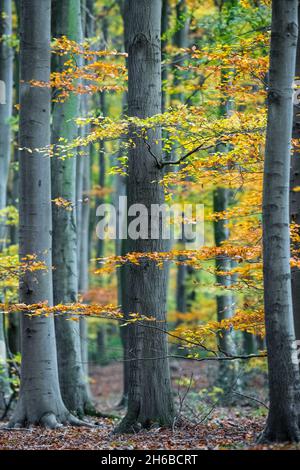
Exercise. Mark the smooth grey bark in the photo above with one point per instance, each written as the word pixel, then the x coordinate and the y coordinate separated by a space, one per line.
pixel 181 303
pixel 227 371
pixel 181 41
pixel 39 400
pixel 13 333
pixel 5 390
pixel 295 195
pixel 102 345
pixel 149 393
pixel 121 250
pixel 249 345
pixel 165 16
pixel 14 191
pixel 82 102
pixel 184 273
pixel 67 21
pixel 227 375
pixel 282 422
pixel 260 343
pixel 124 329
pixel 13 323
pixel 102 171
pixel 83 195
pixel 6 76
pixel 103 102
pixel 249 340
pixel 185 295
pixel 84 265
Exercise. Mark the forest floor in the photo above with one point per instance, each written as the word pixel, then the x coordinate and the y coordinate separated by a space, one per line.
pixel 204 423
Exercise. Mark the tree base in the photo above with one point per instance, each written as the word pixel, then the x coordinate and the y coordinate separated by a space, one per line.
pixel 47 420
pixel 289 434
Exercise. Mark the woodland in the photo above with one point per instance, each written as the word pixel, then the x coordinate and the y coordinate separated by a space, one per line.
pixel 149 225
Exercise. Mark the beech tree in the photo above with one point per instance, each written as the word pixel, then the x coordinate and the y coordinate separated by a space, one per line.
pixel 40 399
pixel 294 195
pixel 159 124
pixel 6 81
pixel 227 376
pixel 6 77
pixel 181 41
pixel 67 21
pixel 282 423
pixel 149 389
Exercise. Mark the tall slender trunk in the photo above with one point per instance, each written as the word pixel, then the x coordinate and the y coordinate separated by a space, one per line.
pixel 83 267
pixel 6 76
pixel 121 250
pixel 14 193
pixel 101 162
pixel 149 393
pixel 227 371
pixel 295 195
pixel 5 390
pixel 165 14
pixel 282 422
pixel 13 323
pixel 67 21
pixel 227 374
pixel 40 399
pixel 181 41
pixel 101 166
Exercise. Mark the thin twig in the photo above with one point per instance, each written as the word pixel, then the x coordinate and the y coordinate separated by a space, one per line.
pixel 250 398
pixel 189 358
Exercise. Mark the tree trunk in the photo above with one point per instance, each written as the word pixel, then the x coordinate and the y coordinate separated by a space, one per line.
pixel 181 41
pixel 5 390
pixel 14 193
pixel 165 14
pixel 67 21
pixel 102 345
pixel 40 399
pixel 227 376
pixel 121 250
pixel 101 162
pixel 101 166
pixel 6 76
pixel 13 323
pixel 282 423
pixel 227 369
pixel 84 268
pixel 295 195
pixel 149 394
pixel 249 343
pixel 83 230
pixel 13 333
